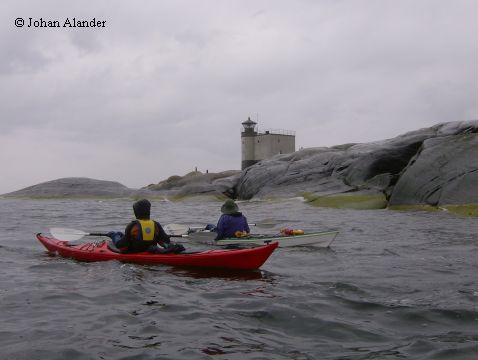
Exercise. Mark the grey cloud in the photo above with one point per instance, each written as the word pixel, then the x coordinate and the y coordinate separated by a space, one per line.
pixel 174 79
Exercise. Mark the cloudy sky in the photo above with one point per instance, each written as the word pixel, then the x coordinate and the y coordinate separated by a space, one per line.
pixel 165 85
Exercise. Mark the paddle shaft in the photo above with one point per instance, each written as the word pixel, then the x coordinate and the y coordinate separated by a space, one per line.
pixel 105 234
pixel 97 234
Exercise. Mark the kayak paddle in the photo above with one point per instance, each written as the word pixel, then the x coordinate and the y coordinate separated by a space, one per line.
pixel 266 223
pixel 182 230
pixel 74 234
pixel 71 234
pixel 176 229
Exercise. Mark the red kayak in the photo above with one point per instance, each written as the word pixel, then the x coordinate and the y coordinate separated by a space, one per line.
pixel 241 259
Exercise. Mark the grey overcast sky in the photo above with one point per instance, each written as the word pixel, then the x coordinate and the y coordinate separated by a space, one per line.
pixel 165 85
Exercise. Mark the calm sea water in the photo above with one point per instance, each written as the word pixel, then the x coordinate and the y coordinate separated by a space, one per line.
pixel 394 285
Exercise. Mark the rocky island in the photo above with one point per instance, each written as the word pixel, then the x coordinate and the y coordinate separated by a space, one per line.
pixel 431 167
pixel 73 187
pixel 435 167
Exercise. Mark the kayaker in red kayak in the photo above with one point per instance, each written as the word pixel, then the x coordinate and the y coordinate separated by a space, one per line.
pixel 144 234
pixel 231 222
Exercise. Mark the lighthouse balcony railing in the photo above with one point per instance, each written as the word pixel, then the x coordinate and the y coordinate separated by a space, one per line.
pixel 276 132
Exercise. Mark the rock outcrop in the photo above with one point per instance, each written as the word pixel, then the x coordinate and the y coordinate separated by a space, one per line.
pixel 444 172
pixel 73 187
pixel 436 166
pixel 196 183
pixel 431 166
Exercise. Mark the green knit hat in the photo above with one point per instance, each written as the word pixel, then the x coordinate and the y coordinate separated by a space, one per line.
pixel 229 207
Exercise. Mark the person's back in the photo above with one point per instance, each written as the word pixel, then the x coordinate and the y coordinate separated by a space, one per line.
pixel 231 221
pixel 142 234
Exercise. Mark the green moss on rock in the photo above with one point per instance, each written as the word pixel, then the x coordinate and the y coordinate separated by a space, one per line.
pixel 464 210
pixel 345 201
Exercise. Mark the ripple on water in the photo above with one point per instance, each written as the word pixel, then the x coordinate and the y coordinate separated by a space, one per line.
pixel 394 285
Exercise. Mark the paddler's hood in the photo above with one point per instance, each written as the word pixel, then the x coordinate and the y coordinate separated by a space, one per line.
pixel 142 209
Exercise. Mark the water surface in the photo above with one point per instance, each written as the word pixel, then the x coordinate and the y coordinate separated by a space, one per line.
pixel 394 285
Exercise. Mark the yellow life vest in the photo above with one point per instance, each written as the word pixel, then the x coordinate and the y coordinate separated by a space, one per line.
pixel 147 229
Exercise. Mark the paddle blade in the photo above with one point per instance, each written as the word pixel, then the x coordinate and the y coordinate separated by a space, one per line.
pixel 67 234
pixel 176 229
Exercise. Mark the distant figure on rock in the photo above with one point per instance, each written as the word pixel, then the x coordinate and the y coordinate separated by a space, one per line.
pixel 231 223
pixel 144 234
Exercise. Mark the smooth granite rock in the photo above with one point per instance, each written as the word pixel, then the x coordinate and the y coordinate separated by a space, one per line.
pixel 444 172
pixel 197 183
pixel 434 166
pixel 375 168
pixel 73 187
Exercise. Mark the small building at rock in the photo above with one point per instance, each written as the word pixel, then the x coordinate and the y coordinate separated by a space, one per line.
pixel 258 145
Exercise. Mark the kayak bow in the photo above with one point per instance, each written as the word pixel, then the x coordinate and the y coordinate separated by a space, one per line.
pixel 240 259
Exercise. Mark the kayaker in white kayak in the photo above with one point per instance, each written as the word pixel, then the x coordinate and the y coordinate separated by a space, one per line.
pixel 232 222
pixel 144 234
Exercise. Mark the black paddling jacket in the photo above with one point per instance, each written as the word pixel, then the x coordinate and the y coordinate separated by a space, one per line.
pixel 141 234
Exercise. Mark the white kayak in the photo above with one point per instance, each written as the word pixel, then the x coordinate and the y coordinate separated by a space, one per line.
pixel 321 239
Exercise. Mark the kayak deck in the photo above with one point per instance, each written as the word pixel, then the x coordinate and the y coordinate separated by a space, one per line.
pixel 321 239
pixel 240 259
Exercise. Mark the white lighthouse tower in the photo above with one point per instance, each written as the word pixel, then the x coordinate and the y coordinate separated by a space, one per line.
pixel 257 146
